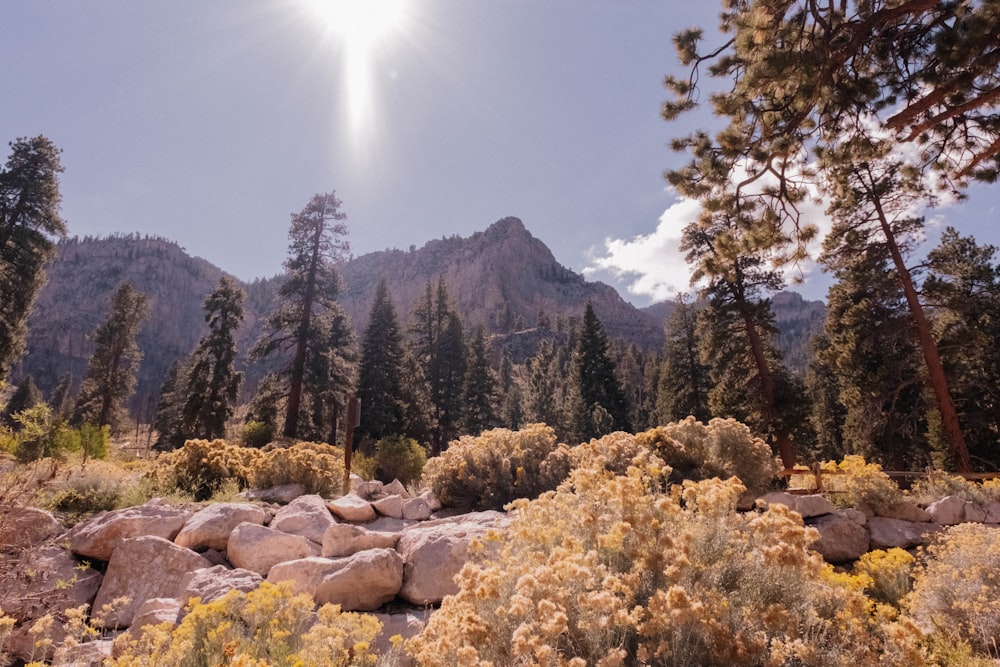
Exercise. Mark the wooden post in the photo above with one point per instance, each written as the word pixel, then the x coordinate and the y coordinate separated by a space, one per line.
pixel 353 420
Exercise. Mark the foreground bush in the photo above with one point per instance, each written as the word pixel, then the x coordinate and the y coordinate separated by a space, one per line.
pixel 269 627
pixel 490 470
pixel 614 570
pixel 957 590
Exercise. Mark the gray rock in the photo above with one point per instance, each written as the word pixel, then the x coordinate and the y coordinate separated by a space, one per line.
pixel 307 516
pixel 283 493
pixel 391 506
pixel 362 582
pixel 100 535
pixel 211 583
pixel 807 506
pixel 948 511
pixel 210 527
pixel 259 548
pixel 25 527
pixel 352 508
pixel 407 625
pixel 396 488
pixel 884 533
pixel 905 510
pixel 416 509
pixel 345 539
pixel 840 539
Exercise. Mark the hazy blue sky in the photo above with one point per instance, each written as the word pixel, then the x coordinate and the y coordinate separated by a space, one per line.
pixel 210 122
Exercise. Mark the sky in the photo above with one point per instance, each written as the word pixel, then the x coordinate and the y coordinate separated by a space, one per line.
pixel 209 123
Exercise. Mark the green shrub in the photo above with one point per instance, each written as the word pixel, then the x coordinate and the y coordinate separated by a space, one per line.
pixel 492 469
pixel 399 458
pixel 318 466
pixel 256 434
pixel 861 484
pixel 95 487
pixel 200 466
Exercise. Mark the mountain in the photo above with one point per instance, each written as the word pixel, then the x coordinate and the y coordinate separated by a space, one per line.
pixel 502 277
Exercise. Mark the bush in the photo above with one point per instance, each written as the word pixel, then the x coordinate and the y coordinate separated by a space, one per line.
pixel 614 570
pixel 256 434
pixel 861 485
pixel 397 457
pixel 318 466
pixel 200 467
pixel 957 589
pixel 722 448
pixel 939 484
pixel 888 574
pixel 490 470
pixel 270 626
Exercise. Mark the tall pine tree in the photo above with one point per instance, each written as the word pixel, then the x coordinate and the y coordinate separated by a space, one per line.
pixel 380 376
pixel 598 405
pixel 684 378
pixel 478 411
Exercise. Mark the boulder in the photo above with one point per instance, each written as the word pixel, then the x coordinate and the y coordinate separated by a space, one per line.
pixel 416 509
pixel 283 493
pixel 362 582
pixel 88 654
pixel 345 539
pixel 974 513
pixel 947 511
pixel 884 533
pixel 352 508
pixel 395 488
pixel 142 568
pixel 807 506
pixel 432 500
pixel 391 506
pixel 211 583
pixel 840 538
pixel 407 625
pixel 388 524
pixel 155 611
pixel 98 536
pixel 210 528
pixel 307 516
pixel 857 516
pixel 369 490
pixel 25 527
pixel 992 511
pixel 259 548
pixel 905 510
pixel 435 551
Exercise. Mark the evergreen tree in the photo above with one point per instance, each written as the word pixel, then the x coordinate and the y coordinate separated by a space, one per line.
pixel 168 421
pixel 542 386
pixel 29 219
pixel 266 405
pixel 478 412
pixel 213 383
pixel 62 399
pixel 511 414
pixel 110 378
pixel 828 412
pixel 380 376
pixel 598 404
pixel 307 295
pixel 684 379
pixel 26 395
pixel 329 380
pixel 418 411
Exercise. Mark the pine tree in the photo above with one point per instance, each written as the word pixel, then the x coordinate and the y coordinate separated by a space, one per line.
pixel 478 411
pixel 307 295
pixel 684 379
pixel 542 386
pixel 29 219
pixel 598 405
pixel 512 397
pixel 62 400
pixel 329 379
pixel 111 373
pixel 380 376
pixel 418 410
pixel 26 395
pixel 213 383
pixel 168 421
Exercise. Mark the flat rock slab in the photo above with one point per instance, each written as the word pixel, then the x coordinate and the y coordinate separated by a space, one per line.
pixel 888 533
pixel 362 582
pixel 840 538
pixel 807 506
pixel 99 536
pixel 307 516
pixel 283 493
pixel 346 539
pixel 210 527
pixel 259 548
pixel 142 568
pixel 210 584
pixel 352 508
pixel 24 527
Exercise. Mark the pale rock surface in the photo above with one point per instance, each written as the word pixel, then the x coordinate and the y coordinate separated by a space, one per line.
pixel 345 539
pixel 356 480
pixel 307 516
pixel 407 625
pixel 155 611
pixel 973 513
pixel 211 583
pixel 210 528
pixel 100 535
pixel 388 524
pixel 992 511
pixel 142 568
pixel 417 509
pixel 391 506
pixel 395 488
pixel 857 516
pixel 885 533
pixel 283 493
pixel 431 499
pixel 807 506
pixel 369 490
pixel 259 548
pixel 905 510
pixel 24 527
pixel 840 538
pixel 947 511
pixel 352 508
pixel 435 551
pixel 362 582
pixel 87 654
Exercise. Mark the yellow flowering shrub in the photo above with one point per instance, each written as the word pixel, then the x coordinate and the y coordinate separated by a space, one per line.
pixel 939 484
pixel 492 469
pixel 957 589
pixel 268 627
pixel 318 466
pixel 860 484
pixel 721 448
pixel 200 466
pixel 889 574
pixel 622 569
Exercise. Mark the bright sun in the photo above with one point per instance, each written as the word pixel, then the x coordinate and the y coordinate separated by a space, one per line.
pixel 361 26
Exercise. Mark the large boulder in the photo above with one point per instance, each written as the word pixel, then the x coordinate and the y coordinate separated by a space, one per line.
pixel 807 506
pixel 407 625
pixel 435 551
pixel 155 611
pixel 391 506
pixel 283 493
pixel 142 568
pixel 346 539
pixel 259 548
pixel 44 580
pixel 952 510
pixel 904 510
pixel 211 583
pixel 98 536
pixel 352 508
pixel 395 488
pixel 25 527
pixel 362 582
pixel 307 516
pixel 840 538
pixel 885 533
pixel 210 528
pixel 416 509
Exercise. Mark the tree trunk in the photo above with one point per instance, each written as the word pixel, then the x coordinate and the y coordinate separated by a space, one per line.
pixel 298 368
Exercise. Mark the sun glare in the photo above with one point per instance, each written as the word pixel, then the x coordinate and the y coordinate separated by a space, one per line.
pixel 360 27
